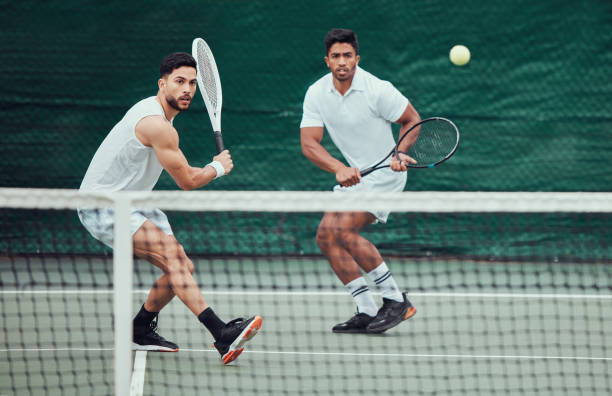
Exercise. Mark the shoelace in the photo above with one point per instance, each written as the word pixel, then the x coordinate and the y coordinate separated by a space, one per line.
pixel 387 303
pixel 355 318
pixel 235 321
pixel 153 328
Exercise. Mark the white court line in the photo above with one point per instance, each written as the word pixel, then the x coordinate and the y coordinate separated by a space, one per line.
pixel 414 355
pixel 352 354
pixel 138 374
pixel 333 293
pixel 55 349
pixel 417 294
pixel 58 291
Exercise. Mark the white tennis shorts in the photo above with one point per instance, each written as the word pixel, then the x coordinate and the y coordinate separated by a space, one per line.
pixel 381 180
pixel 100 222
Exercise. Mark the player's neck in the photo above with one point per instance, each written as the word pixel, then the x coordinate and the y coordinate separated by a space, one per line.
pixel 343 86
pixel 169 111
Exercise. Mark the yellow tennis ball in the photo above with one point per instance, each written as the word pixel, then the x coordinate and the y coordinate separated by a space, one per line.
pixel 459 55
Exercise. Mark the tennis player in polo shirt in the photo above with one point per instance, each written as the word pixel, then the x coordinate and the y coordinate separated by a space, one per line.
pixel 357 110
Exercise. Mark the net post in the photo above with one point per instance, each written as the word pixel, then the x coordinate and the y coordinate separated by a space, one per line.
pixel 122 281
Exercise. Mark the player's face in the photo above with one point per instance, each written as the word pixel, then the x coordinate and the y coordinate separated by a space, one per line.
pixel 342 61
pixel 179 87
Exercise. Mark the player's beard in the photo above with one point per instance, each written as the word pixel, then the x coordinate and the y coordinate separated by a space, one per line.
pixel 348 76
pixel 173 102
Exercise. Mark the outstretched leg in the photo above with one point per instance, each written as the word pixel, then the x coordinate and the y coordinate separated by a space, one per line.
pixel 164 251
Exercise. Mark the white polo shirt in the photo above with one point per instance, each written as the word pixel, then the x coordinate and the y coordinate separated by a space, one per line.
pixel 359 123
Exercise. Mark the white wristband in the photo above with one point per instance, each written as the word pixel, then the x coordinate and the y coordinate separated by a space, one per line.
pixel 218 168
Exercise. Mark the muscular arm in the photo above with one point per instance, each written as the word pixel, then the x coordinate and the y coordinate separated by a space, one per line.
pixel 310 139
pixel 156 132
pixel 408 118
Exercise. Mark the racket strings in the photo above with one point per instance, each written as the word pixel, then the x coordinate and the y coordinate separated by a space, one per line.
pixel 206 74
pixel 437 140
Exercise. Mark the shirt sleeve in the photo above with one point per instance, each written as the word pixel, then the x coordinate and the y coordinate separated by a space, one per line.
pixel 311 116
pixel 390 103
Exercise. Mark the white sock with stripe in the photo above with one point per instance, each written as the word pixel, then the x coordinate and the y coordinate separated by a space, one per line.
pixel 381 276
pixel 362 296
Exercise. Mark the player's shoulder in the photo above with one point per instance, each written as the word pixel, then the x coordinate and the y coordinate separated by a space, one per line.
pixel 155 122
pixel 149 114
pixel 151 104
pixel 321 85
pixel 155 128
pixel 371 81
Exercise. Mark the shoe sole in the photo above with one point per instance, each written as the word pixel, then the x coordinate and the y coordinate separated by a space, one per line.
pixel 236 347
pixel 356 331
pixel 410 312
pixel 152 348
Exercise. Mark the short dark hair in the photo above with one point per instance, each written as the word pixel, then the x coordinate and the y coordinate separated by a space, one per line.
pixel 341 36
pixel 175 60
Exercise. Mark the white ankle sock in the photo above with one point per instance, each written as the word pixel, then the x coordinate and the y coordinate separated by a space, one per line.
pixel 362 296
pixel 381 276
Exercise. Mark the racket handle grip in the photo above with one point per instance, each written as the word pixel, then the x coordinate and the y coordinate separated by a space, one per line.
pixel 219 141
pixel 367 171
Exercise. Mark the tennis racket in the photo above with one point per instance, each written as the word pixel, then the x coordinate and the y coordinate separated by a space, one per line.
pixel 436 141
pixel 210 86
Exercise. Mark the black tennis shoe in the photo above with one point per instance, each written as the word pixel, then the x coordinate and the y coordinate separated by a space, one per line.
pixel 356 324
pixel 147 339
pixel 391 314
pixel 234 335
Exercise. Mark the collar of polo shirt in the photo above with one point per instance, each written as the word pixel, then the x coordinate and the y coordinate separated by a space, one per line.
pixel 358 83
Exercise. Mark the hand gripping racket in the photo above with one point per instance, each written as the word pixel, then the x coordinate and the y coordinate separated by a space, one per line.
pixel 210 86
pixel 436 141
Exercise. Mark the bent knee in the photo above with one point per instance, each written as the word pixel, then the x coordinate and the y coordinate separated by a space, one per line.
pixel 326 235
pixel 170 256
pixel 336 235
pixel 185 261
pixel 175 253
pixel 177 267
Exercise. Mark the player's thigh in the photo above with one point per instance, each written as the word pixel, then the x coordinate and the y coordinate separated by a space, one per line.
pixel 154 245
pixel 353 221
pixel 339 222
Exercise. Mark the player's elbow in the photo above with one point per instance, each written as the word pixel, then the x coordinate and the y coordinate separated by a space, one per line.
pixel 310 140
pixel 187 184
pixel 185 187
pixel 308 147
pixel 415 118
pixel 189 178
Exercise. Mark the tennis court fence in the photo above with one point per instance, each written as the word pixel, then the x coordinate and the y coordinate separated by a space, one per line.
pixel 513 293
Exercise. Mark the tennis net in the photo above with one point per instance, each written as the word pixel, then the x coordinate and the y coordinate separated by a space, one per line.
pixel 513 293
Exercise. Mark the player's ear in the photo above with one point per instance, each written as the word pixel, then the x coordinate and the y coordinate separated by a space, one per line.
pixel 326 59
pixel 161 83
pixel 357 60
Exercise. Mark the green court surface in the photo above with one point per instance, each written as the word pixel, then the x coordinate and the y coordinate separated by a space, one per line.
pixel 481 328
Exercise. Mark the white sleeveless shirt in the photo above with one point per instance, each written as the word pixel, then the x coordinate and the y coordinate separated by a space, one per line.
pixel 122 162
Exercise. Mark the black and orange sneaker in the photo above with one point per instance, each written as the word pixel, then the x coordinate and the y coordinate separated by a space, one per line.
pixel 234 335
pixel 391 314
pixel 356 324
pixel 147 339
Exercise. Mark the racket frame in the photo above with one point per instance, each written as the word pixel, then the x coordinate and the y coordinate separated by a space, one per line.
pixel 214 112
pixel 418 166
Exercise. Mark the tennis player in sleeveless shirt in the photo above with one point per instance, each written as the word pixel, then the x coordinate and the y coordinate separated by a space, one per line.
pixel 357 110
pixel 131 158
